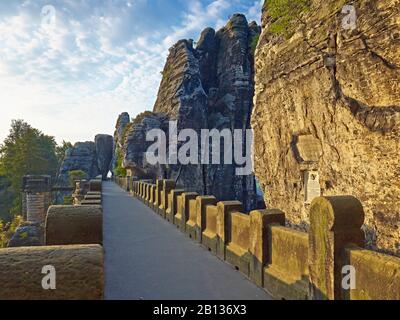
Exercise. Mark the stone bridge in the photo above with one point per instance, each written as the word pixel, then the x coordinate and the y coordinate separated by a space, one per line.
pixel 131 239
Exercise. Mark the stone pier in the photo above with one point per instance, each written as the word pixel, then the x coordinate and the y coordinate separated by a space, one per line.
pixel 36 197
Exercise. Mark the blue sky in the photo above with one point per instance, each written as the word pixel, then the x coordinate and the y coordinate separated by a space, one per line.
pixel 69 67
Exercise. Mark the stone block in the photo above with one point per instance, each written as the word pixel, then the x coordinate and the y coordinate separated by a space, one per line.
pixel 173 204
pixel 167 186
pixel 183 207
pixel 95 185
pixel 210 234
pixel 335 222
pixel 237 249
pixel 79 273
pixel 67 225
pixel 286 274
pixel 223 224
pixel 259 245
pixel 201 206
pixel 377 275
pixel 191 223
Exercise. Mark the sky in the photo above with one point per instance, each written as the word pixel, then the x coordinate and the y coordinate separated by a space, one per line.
pixel 70 67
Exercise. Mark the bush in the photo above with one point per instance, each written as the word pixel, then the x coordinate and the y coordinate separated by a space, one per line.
pixel 68 201
pixel 76 175
pixel 119 170
pixel 7 230
pixel 286 14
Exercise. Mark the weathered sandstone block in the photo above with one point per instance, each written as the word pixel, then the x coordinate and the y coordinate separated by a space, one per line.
pixel 237 250
pixel 66 225
pixel 286 274
pixel 95 185
pixel 191 223
pixel 210 234
pixel 201 207
pixel 79 273
pixel 260 237
pixel 173 204
pixel 377 275
pixel 335 222
pixel 224 224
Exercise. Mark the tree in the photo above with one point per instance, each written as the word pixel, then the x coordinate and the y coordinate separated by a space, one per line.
pixel 25 151
pixel 119 170
pixel 76 175
pixel 60 151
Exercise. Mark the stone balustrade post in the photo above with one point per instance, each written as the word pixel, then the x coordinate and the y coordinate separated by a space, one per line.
pixel 168 186
pixel 335 223
pixel 225 208
pixel 260 220
pixel 201 206
pixel 186 197
pixel 173 206
pixel 159 187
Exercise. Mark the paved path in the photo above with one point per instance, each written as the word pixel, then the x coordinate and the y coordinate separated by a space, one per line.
pixel 148 258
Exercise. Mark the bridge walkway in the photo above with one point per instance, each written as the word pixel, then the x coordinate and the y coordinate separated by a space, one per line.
pixel 148 258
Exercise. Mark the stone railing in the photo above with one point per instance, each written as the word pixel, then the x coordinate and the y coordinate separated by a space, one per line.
pixel 289 264
pixel 72 254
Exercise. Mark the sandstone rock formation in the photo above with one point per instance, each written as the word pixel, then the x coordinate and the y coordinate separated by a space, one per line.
pixel 94 158
pixel 207 87
pixel 327 114
pixel 123 120
pixel 136 145
pixel 104 151
pixel 81 157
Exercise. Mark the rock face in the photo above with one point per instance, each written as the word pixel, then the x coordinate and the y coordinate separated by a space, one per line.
pixel 93 158
pixel 135 146
pixel 327 114
pixel 123 120
pixel 207 87
pixel 83 157
pixel 104 151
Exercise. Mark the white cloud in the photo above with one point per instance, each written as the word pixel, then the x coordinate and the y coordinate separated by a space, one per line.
pixel 100 59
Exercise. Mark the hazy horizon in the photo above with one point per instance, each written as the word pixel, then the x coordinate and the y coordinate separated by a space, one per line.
pixel 71 77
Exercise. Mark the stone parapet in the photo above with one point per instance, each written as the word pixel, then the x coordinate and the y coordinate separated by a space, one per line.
pixel 67 225
pixel 78 270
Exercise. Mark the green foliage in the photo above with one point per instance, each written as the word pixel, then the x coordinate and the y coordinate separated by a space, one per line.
pixel 76 175
pixel 126 131
pixel 25 151
pixel 119 170
pixel 60 151
pixel 68 200
pixel 141 117
pixel 6 199
pixel 254 43
pixel 286 14
pixel 8 230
